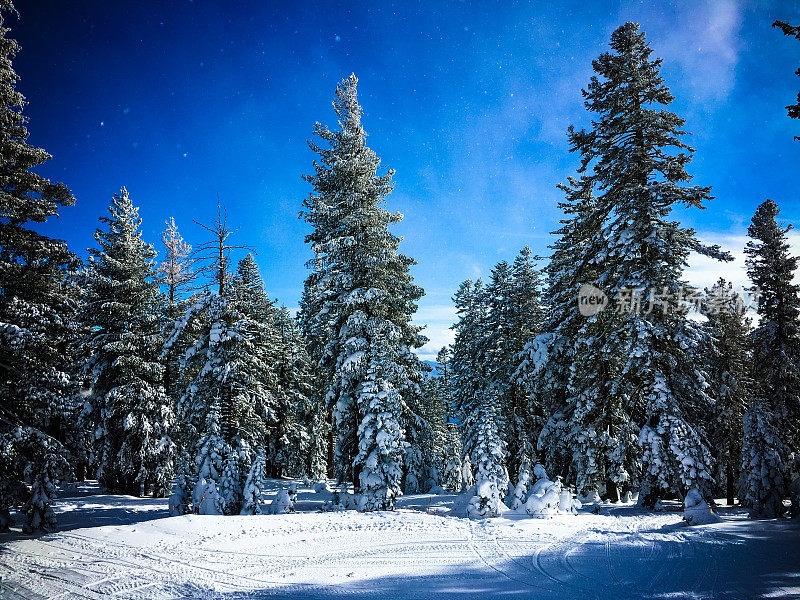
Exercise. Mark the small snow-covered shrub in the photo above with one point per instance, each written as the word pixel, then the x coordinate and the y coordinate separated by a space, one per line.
pixel 437 489
pixel 254 487
pixel 322 487
pixel 547 498
pixel 282 504
pixel 696 510
pixel 209 502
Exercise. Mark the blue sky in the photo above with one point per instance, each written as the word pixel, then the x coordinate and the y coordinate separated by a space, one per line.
pixel 468 101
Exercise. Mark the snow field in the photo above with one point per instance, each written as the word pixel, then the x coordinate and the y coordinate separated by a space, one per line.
pixel 621 553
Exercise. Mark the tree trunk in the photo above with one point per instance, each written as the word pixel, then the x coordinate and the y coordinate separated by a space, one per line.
pixel 612 491
pixel 730 487
pixel 330 462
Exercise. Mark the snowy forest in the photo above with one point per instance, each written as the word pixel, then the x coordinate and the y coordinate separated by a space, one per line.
pixel 165 368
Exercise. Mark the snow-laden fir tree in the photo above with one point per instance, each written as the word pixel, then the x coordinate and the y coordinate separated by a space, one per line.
pixel 776 340
pixel 260 362
pixel 362 301
pixel 223 368
pixel 234 477
pixel 513 317
pixel 729 380
pixel 487 455
pixel 304 429
pixel 37 315
pixel 547 365
pixel 635 158
pixel 763 485
pixel 771 423
pixel 450 439
pixel 316 331
pixel 254 486
pixel 127 408
pixel 212 454
pixel 230 364
pixel 180 502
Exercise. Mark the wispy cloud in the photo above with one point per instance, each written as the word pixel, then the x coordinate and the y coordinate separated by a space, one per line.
pixel 701 38
pixel 438 319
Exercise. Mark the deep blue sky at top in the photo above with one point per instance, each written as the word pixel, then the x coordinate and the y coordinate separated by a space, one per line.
pixel 469 101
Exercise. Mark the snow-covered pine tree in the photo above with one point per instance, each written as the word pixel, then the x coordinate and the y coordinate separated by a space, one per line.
pixel 304 425
pixel 771 423
pixel 259 330
pixel 231 491
pixel 451 447
pixel 762 485
pixel 635 156
pixel 793 110
pixel 180 503
pixel 487 452
pixel 469 369
pixel 210 460
pixel 254 486
pixel 729 380
pixel 363 300
pixel 130 413
pixel 224 368
pixel 546 368
pixel 37 313
pixel 514 316
pixel 316 332
pixel 776 340
pixel 435 448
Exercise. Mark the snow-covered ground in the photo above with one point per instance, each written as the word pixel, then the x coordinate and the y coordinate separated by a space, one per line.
pixel 122 547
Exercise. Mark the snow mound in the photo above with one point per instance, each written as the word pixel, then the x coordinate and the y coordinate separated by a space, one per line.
pixel 546 498
pixel 696 511
pixel 282 504
pixel 437 489
pixel 322 486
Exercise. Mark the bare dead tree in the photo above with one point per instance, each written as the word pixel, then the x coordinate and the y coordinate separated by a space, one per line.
pixel 213 256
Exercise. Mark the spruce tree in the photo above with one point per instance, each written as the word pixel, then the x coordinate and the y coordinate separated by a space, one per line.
pixel 362 300
pixel 776 340
pixel 488 455
pixel 303 452
pixel 37 314
pixel 771 423
pixel 130 413
pixel 635 157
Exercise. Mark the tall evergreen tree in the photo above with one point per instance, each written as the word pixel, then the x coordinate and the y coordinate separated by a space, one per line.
pixel 127 407
pixel 363 301
pixel 636 364
pixel 771 423
pixel 776 340
pixel 37 314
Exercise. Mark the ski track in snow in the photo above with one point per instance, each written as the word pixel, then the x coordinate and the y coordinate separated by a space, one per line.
pixel 624 553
